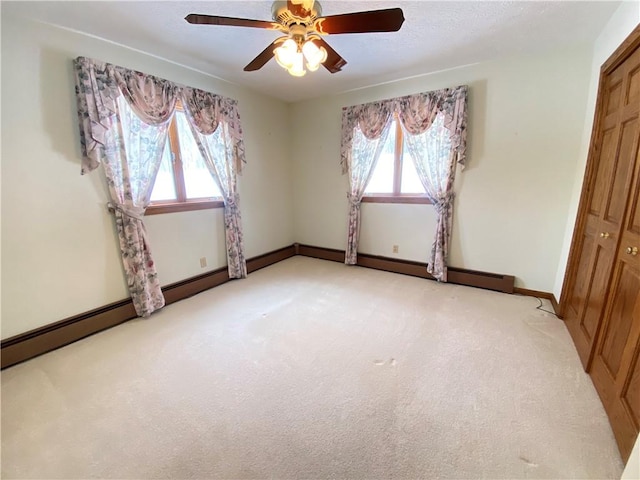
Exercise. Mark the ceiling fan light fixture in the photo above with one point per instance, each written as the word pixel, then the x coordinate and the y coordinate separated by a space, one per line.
pixel 313 55
pixel 303 25
pixel 286 53
pixel 312 67
pixel 297 68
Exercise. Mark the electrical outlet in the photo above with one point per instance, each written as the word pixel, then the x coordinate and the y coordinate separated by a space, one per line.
pixel 395 249
pixel 203 262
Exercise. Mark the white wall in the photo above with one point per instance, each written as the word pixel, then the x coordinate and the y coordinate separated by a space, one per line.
pixel 619 26
pixel 632 468
pixel 525 127
pixel 59 249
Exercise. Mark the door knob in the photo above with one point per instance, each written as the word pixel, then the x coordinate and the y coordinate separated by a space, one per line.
pixel 604 235
pixel 632 250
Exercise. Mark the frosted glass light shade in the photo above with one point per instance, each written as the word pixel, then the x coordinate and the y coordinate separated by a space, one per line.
pixel 285 54
pixel 297 68
pixel 294 59
pixel 313 55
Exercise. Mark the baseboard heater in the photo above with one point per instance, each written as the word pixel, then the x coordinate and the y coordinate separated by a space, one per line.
pixel 459 276
pixel 55 335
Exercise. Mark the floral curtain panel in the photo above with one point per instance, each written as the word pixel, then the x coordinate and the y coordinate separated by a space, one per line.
pixel 133 160
pixel 435 127
pixel 216 128
pixel 127 138
pixel 435 165
pixel 129 145
pixel 365 129
pixel 435 149
pixel 366 153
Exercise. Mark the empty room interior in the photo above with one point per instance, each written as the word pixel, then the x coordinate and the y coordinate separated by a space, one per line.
pixel 401 241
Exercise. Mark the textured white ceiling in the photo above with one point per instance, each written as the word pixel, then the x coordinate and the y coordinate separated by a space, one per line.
pixel 435 36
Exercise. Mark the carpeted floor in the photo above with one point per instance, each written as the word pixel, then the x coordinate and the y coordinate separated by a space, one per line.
pixel 312 369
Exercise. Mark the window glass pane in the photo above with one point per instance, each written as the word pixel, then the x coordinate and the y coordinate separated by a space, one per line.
pixel 382 178
pixel 410 182
pixel 198 181
pixel 165 187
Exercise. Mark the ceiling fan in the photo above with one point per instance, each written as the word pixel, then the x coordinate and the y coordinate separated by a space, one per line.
pixel 304 26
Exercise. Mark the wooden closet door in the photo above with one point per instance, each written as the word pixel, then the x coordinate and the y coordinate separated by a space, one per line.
pixel 603 203
pixel 601 293
pixel 616 364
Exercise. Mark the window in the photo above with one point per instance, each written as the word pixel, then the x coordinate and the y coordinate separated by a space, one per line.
pixel 184 181
pixel 394 179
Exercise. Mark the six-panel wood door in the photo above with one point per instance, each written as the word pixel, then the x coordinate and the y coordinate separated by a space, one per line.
pixel 616 364
pixel 601 294
pixel 612 168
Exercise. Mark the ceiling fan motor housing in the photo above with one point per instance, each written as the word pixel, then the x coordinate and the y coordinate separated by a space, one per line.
pixel 281 14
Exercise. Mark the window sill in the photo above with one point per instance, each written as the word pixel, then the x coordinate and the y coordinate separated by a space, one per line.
pixel 173 207
pixel 390 198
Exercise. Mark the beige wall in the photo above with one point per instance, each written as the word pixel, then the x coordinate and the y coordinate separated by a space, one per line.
pixel 632 468
pixel 59 250
pixel 619 26
pixel 525 127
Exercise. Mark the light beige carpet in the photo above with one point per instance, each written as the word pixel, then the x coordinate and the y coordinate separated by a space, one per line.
pixel 312 369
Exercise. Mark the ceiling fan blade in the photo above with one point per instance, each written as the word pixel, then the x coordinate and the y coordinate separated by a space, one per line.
pixel 263 57
pixel 388 20
pixel 300 8
pixel 334 61
pixel 198 19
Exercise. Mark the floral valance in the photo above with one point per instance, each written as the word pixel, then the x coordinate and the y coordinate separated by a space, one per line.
pixel 416 112
pixel 153 99
pixel 206 111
